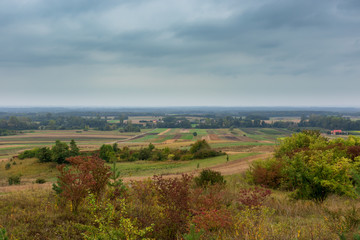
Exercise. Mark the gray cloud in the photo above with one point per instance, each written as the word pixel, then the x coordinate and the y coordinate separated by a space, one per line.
pixel 243 52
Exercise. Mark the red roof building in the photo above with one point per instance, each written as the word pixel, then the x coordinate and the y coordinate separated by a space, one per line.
pixel 335 132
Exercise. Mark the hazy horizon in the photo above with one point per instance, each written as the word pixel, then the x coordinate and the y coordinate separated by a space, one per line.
pixel 160 53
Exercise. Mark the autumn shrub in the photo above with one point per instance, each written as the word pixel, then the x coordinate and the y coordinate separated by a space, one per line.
pixel 209 177
pixel 174 198
pixel 211 220
pixel 86 174
pixel 212 197
pixel 266 173
pixel 252 197
pixel 144 204
pixel 210 210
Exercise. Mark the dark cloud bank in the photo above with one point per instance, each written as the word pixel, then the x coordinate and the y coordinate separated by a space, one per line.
pixel 176 53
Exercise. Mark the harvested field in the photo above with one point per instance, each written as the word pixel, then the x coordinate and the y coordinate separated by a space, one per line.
pixel 214 137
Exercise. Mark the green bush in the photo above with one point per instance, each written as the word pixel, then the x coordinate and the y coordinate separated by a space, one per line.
pixel 3 235
pixel 209 177
pixel 312 166
pixel 14 180
pixel 7 166
pixel 40 181
pixel 28 154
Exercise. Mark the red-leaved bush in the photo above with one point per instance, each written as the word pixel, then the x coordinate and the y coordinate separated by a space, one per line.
pixel 253 197
pixel 209 208
pixel 174 197
pixel 268 175
pixel 86 174
pixel 213 219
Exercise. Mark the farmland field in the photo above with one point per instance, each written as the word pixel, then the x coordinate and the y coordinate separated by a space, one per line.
pixel 238 143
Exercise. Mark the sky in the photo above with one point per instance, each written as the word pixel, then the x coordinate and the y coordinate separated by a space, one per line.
pixel 120 53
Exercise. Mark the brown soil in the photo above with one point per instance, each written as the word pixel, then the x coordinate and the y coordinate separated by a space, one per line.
pixel 184 131
pixel 214 137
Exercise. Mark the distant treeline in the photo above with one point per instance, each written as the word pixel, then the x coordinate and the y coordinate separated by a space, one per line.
pixel 91 120
pixel 330 122
pixel 5 132
pixel 53 123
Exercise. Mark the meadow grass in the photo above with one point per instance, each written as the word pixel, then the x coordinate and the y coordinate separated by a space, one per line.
pixel 187 136
pixel 29 169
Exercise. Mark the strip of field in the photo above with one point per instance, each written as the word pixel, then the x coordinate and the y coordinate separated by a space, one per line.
pixel 234 166
pixel 149 168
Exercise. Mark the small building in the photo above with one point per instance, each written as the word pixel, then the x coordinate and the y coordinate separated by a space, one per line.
pixel 336 132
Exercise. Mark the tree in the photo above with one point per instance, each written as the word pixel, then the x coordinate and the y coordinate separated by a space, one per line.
pixel 74 150
pixel 44 154
pixel 115 147
pixel 199 145
pixel 86 174
pixel 60 152
pixel 195 134
pixel 107 153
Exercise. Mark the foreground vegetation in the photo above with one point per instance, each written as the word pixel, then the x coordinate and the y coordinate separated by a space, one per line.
pixel 313 181
pixel 161 208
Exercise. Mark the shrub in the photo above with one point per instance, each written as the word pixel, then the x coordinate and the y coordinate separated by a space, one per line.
pixel 44 154
pixel 14 180
pixel 3 235
pixel 174 198
pixel 213 220
pixel 107 153
pixel 40 181
pixel 253 197
pixel 185 157
pixel 7 166
pixel 86 174
pixel 60 152
pixel 109 225
pixel 28 154
pixel 199 145
pixel 206 153
pixel 209 177
pixel 266 173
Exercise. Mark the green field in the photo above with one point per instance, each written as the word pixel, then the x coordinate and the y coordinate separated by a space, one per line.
pixel 149 168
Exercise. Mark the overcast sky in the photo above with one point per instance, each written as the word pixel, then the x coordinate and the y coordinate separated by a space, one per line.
pixel 179 53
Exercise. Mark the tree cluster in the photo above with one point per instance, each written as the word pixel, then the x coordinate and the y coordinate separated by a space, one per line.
pixel 312 166
pixel 198 150
pixel 58 153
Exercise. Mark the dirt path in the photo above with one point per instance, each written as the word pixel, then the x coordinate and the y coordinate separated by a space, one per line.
pixel 164 132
